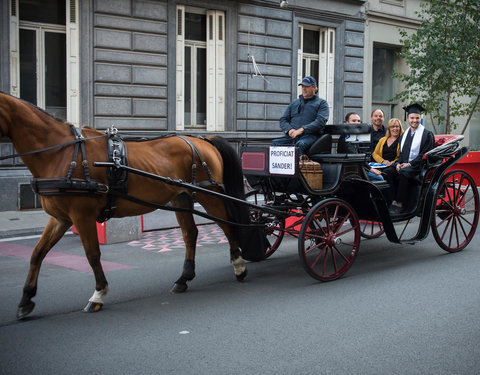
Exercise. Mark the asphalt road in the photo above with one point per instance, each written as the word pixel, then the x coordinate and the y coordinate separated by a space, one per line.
pixel 401 309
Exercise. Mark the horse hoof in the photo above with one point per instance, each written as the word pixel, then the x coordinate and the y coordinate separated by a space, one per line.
pixel 24 310
pixel 242 276
pixel 93 307
pixel 179 288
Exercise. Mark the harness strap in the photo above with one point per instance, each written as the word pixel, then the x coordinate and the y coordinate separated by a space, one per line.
pixel 181 209
pixel 50 148
pixel 194 166
pixel 77 132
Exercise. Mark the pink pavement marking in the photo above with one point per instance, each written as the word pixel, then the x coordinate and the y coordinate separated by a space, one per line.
pixel 74 262
pixel 163 241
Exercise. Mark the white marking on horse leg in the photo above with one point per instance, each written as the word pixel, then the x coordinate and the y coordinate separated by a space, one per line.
pixel 238 266
pixel 97 295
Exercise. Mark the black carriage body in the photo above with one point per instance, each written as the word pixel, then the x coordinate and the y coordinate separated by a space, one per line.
pixel 344 177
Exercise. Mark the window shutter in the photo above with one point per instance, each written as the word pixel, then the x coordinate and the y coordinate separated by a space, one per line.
pixel 14 50
pixel 322 64
pixel 330 69
pixel 300 72
pixel 73 63
pixel 180 67
pixel 211 71
pixel 215 70
pixel 220 71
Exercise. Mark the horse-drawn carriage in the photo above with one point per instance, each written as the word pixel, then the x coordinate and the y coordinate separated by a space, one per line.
pixel 330 214
pixel 83 175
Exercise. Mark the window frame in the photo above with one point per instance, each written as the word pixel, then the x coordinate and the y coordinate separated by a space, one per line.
pixel 71 29
pixel 215 69
pixel 325 58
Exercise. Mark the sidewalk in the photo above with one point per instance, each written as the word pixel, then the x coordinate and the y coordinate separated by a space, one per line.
pixel 32 222
pixel 22 223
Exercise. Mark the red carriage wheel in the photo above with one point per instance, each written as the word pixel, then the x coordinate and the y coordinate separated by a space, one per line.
pixel 329 239
pixel 455 216
pixel 371 229
pixel 275 226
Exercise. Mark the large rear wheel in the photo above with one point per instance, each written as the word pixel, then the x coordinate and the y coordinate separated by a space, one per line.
pixel 329 239
pixel 274 225
pixel 455 217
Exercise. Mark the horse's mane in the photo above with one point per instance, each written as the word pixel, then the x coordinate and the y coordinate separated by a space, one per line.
pixel 38 109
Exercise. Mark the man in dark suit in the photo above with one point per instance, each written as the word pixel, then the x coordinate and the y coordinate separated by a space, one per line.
pixel 414 143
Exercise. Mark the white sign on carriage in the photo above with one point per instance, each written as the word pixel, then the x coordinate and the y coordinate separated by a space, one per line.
pixel 282 160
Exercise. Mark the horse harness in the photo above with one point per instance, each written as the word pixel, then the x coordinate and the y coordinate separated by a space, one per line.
pixel 117 177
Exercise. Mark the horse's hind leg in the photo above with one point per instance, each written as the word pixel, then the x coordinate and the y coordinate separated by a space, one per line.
pixel 190 233
pixel 54 230
pixel 215 207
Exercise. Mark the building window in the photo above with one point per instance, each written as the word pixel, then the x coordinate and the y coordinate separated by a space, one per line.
pixel 200 69
pixel 44 67
pixel 383 83
pixel 316 57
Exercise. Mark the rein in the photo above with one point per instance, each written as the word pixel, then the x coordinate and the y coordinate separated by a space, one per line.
pixel 75 141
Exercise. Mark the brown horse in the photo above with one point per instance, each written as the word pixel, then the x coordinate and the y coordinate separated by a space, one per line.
pixel 30 128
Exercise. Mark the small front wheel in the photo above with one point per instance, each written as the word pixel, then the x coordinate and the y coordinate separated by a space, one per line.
pixel 371 229
pixel 329 239
pixel 455 216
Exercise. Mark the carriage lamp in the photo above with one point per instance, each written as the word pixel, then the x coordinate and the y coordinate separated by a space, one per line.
pixel 283 4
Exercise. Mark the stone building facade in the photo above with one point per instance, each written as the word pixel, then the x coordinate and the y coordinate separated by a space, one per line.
pixel 193 67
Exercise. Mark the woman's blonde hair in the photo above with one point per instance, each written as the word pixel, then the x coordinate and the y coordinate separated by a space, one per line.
pixel 392 122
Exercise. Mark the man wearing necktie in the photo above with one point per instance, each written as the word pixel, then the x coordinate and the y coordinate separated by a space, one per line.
pixel 414 143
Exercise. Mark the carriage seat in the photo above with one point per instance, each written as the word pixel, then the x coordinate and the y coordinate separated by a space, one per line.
pixel 322 145
pixel 345 129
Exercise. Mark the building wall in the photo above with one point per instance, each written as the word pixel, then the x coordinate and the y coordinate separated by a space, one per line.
pixel 133 62
pixel 384 18
pixel 127 67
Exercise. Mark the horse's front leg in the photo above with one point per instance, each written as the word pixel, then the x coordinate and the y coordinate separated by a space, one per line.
pixel 54 230
pixel 190 233
pixel 87 230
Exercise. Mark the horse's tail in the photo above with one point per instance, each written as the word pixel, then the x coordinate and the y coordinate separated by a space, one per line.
pixel 251 239
pixel 232 169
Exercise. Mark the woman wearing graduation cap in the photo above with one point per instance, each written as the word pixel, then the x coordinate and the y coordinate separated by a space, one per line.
pixel 414 143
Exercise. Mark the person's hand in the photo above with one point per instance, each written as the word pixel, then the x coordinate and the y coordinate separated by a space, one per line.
pixel 387 163
pixel 403 165
pixel 294 133
pixel 376 171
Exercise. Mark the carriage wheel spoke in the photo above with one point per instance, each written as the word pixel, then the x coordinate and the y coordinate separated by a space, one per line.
pixel 451 232
pixel 446 228
pixel 340 225
pixel 315 247
pixel 325 258
pixel 334 261
pixel 465 219
pixel 461 226
pixel 345 231
pixel 459 190
pixel 341 254
pixel 457 231
pixel 324 249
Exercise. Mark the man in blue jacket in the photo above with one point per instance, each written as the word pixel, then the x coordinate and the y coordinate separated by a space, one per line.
pixel 304 119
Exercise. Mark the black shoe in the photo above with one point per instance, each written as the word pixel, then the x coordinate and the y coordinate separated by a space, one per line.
pixel 393 210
